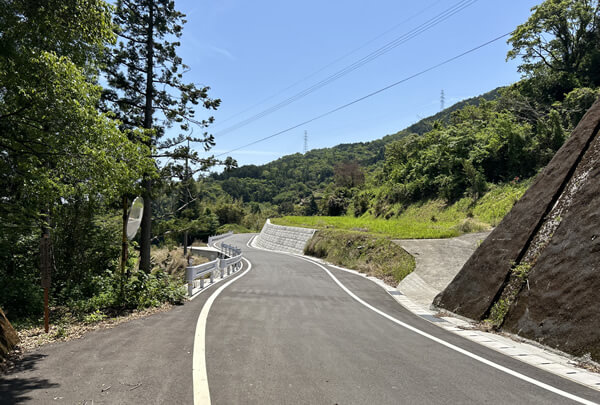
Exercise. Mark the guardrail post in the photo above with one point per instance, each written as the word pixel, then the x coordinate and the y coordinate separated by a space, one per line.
pixel 202 282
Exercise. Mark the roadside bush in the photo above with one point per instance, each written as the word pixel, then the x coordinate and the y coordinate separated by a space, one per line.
pixel 140 291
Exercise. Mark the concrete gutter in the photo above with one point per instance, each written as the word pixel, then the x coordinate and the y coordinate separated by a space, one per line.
pixel 437 263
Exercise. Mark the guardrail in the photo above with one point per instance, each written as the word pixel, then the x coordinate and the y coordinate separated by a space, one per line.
pixel 221 266
pixel 215 238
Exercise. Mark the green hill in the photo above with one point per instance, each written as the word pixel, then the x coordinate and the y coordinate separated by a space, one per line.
pixel 294 177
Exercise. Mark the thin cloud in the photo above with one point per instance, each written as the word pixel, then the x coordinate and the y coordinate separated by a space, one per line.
pixel 222 51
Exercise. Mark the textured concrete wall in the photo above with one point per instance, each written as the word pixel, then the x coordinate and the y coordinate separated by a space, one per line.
pixel 560 307
pixel 283 238
pixel 475 289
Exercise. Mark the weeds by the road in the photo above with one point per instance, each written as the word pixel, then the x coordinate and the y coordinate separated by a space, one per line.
pixel 368 254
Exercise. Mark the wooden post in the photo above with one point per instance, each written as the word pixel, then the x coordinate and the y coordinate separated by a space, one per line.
pixel 46 311
pixel 45 267
pixel 124 248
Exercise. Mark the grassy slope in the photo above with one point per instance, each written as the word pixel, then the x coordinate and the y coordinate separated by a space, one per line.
pixel 375 256
pixel 433 219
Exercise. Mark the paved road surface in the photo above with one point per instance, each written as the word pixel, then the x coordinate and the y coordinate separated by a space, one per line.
pixel 284 333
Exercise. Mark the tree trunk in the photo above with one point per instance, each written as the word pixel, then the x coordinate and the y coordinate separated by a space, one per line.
pixel 146 225
pixel 124 250
pixel 8 336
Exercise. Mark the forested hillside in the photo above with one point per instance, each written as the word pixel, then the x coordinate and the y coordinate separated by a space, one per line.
pixel 292 178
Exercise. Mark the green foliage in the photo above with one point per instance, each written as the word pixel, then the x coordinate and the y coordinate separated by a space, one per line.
pixel 369 254
pixel 142 290
pixel 521 271
pixel 235 228
pixel 146 90
pixel 311 207
pixel 230 213
pixel 94 317
pixel 338 202
pixel 498 201
pixel 498 312
pixel 63 162
pixel 559 46
pixel 480 145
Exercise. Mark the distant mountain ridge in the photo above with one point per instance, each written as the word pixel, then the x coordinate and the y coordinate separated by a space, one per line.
pixel 298 175
pixel 376 146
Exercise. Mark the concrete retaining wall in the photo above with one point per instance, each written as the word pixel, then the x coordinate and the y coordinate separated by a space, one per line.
pixel 283 238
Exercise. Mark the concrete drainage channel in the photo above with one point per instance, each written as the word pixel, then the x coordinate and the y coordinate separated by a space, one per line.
pixel 292 240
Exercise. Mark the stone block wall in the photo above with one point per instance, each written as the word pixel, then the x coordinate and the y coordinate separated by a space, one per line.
pixel 283 238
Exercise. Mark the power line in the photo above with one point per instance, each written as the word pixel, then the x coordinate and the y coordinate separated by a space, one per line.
pixel 461 5
pixel 328 65
pixel 368 95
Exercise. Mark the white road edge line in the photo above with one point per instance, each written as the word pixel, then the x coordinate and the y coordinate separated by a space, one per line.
pixel 199 374
pixel 249 243
pixel 453 347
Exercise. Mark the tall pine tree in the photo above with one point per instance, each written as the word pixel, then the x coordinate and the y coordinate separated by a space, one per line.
pixel 147 90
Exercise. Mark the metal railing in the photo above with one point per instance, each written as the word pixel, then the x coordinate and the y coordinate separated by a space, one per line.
pixel 215 238
pixel 221 266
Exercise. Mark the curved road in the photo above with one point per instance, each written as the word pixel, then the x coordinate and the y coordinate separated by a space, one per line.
pixel 284 333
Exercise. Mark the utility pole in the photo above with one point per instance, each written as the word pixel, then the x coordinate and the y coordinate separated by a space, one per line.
pixel 305 142
pixel 186 191
pixel 442 100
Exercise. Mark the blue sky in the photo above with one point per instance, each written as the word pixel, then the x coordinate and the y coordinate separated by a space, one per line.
pixel 249 51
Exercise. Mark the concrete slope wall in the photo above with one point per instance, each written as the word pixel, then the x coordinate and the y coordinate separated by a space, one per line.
pixel 561 305
pixel 478 285
pixel 553 235
pixel 283 238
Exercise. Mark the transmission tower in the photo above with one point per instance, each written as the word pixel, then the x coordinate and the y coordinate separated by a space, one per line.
pixel 442 100
pixel 305 141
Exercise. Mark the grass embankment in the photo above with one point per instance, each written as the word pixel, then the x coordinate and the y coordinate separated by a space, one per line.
pixel 432 219
pixel 235 228
pixel 373 255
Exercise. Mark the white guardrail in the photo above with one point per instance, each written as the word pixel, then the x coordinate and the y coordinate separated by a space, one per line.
pixel 215 238
pixel 195 275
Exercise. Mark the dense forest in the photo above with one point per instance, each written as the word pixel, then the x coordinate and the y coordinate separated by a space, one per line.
pixel 75 154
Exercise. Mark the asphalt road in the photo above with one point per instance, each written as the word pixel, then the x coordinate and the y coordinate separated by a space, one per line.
pixel 284 333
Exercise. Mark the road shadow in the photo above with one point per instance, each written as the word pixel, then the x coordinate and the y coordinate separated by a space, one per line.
pixel 15 388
